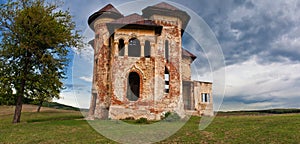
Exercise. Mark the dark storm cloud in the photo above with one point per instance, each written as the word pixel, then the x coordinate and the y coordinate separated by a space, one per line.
pixel 244 100
pixel 245 28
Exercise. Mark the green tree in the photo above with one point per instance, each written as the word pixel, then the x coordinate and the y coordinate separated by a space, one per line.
pixel 45 91
pixel 35 40
pixel 6 90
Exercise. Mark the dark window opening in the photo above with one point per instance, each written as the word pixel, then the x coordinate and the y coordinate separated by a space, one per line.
pixel 110 42
pixel 147 49
pixel 134 48
pixel 121 47
pixel 205 97
pixel 167 50
pixel 167 80
pixel 133 86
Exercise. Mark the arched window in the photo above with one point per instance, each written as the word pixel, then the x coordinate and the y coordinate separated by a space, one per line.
pixel 121 47
pixel 134 48
pixel 167 50
pixel 147 49
pixel 167 79
pixel 133 86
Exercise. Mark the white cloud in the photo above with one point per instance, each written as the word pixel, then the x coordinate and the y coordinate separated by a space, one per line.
pixel 87 79
pixel 254 82
pixel 75 98
pixel 67 98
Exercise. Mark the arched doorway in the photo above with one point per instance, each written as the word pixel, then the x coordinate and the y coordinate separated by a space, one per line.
pixel 133 86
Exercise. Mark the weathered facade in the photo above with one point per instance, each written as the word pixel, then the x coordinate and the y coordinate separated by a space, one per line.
pixel 140 67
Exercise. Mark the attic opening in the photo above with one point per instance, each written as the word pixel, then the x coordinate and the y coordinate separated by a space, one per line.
pixel 134 48
pixel 133 86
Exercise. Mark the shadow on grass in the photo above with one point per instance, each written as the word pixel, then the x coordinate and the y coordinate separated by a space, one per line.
pixel 60 118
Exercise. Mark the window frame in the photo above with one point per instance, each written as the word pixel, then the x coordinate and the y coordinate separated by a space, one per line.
pixel 205 97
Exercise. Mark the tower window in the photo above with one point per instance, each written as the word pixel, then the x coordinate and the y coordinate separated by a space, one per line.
pixel 147 49
pixel 167 50
pixel 134 48
pixel 121 47
pixel 167 79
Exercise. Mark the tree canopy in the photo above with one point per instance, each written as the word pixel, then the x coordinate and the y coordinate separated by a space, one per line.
pixel 35 39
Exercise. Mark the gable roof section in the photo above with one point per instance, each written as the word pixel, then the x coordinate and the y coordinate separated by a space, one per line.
pixel 186 53
pixel 130 19
pixel 134 21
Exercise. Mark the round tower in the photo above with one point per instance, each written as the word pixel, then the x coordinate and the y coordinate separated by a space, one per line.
pixel 100 100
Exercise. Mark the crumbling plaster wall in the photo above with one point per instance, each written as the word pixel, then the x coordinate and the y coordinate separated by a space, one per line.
pixel 153 100
pixel 203 108
pixel 186 68
pixel 101 68
pixel 172 32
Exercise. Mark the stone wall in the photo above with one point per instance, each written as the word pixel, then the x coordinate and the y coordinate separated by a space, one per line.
pixel 153 100
pixel 186 68
pixel 172 33
pixel 101 67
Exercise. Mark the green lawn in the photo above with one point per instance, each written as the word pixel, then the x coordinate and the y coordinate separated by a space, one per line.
pixel 61 126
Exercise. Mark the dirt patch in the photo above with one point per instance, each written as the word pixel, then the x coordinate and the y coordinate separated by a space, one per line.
pixel 8 110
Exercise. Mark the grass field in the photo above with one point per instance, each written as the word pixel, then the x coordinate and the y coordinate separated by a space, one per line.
pixel 63 126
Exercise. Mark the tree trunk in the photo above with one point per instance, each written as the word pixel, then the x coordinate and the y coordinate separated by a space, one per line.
pixel 19 102
pixel 20 93
pixel 17 115
pixel 39 106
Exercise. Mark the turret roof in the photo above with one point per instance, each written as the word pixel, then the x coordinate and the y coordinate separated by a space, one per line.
pixel 165 5
pixel 167 10
pixel 109 8
pixel 108 11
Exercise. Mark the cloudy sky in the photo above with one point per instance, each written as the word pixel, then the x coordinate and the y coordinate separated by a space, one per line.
pixel 260 40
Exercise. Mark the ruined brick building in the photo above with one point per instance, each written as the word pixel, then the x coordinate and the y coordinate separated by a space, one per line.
pixel 140 67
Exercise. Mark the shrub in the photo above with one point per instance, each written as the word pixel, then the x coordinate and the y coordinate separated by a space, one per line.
pixel 129 118
pixel 142 121
pixel 171 117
